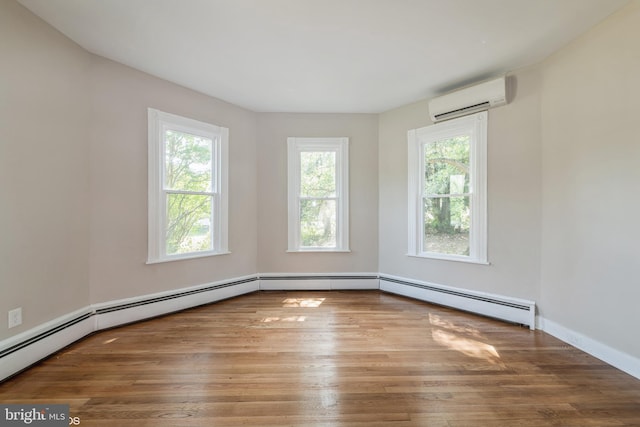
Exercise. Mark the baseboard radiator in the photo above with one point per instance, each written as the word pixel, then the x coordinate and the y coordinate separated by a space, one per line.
pixel 300 282
pixel 23 350
pixel 505 308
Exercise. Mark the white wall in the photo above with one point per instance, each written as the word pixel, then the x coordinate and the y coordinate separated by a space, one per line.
pixel 514 198
pixel 44 170
pixel 273 130
pixel 591 170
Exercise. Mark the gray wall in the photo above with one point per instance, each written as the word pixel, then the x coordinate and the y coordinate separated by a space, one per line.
pixel 44 170
pixel 563 174
pixel 120 97
pixel 73 173
pixel 591 170
pixel 362 130
pixel 514 199
pixel 74 182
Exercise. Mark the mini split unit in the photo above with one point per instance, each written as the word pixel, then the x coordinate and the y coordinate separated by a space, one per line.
pixel 468 100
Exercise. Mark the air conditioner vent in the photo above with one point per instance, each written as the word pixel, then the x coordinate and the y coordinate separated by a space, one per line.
pixel 462 111
pixel 469 100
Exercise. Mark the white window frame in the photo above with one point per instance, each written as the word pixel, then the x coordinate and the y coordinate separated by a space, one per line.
pixel 339 145
pixel 158 123
pixel 475 126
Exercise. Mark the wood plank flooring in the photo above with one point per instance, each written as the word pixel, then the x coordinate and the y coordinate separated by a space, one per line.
pixel 339 358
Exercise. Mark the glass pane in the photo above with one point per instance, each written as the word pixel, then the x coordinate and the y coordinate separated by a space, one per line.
pixel 318 174
pixel 446 166
pixel 188 162
pixel 318 223
pixel 189 226
pixel 446 225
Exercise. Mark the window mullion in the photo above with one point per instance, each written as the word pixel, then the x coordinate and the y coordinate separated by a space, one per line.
pixel 435 196
pixel 195 193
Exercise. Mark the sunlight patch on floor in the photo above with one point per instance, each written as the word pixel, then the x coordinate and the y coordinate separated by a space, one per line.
pixel 438 321
pixel 467 346
pixel 463 338
pixel 284 319
pixel 303 302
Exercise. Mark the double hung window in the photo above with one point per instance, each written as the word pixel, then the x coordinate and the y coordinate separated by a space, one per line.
pixel 318 205
pixel 447 190
pixel 187 188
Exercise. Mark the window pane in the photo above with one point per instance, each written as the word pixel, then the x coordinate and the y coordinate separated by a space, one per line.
pixel 318 223
pixel 189 226
pixel 446 225
pixel 188 162
pixel 446 166
pixel 318 174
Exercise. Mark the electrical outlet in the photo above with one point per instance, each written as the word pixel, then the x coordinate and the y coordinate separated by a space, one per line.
pixel 15 317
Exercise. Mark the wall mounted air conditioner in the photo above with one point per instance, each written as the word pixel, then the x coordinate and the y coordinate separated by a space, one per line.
pixel 471 99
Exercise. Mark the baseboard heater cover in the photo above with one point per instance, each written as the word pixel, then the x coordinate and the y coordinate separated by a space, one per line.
pixel 106 308
pixel 21 351
pixel 505 308
pixel 322 281
pixel 132 310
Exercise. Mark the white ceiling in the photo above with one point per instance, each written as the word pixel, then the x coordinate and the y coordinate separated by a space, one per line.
pixel 363 56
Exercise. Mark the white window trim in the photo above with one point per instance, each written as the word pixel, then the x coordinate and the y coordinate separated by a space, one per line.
pixel 340 145
pixel 158 122
pixel 476 126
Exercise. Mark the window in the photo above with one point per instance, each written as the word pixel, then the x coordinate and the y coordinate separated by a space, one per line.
pixel 447 190
pixel 318 194
pixel 187 188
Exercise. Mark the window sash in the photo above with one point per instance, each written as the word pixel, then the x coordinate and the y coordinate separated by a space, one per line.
pixel 334 214
pixel 210 236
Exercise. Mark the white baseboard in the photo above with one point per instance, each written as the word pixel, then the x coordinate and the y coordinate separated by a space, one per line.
pixel 23 350
pixel 115 313
pixel 498 306
pixel 609 355
pixel 324 281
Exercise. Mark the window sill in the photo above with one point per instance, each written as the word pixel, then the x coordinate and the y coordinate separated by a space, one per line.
pixel 301 251
pixel 186 256
pixel 451 258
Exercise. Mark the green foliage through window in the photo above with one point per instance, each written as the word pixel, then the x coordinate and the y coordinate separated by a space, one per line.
pixel 318 223
pixel 318 212
pixel 188 185
pixel 446 209
pixel 318 194
pixel 318 174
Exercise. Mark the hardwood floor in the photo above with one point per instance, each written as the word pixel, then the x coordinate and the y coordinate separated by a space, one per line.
pixel 339 358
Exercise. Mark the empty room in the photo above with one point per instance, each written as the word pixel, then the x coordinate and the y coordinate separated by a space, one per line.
pixel 319 213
